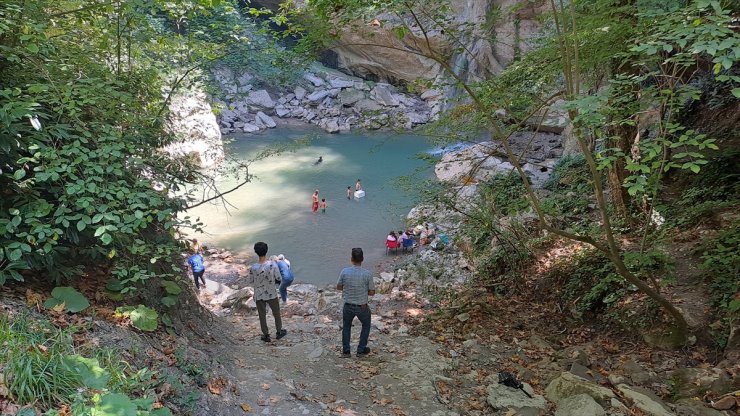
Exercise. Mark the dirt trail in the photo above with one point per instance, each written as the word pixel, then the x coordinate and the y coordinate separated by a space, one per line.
pixel 304 374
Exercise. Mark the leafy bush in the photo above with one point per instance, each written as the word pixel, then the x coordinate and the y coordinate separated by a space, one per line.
pixel 592 285
pixel 42 367
pixel 80 165
pixel 571 194
pixel 721 264
pixel 715 187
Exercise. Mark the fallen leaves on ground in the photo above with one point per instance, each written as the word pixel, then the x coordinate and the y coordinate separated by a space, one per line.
pixel 216 385
pixel 33 298
pixel 247 408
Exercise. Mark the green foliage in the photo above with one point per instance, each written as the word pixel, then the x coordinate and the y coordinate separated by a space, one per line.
pixel 571 192
pixel 89 370
pixel 592 285
pixel 44 368
pixel 721 265
pixel 714 189
pixel 82 116
pixel 172 290
pixel 73 300
pixel 142 318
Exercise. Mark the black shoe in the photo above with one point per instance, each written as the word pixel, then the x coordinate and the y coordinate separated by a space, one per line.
pixel 366 351
pixel 346 354
pixel 281 334
pixel 266 338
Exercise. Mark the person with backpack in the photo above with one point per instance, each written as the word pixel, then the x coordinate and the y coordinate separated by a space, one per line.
pixel 197 266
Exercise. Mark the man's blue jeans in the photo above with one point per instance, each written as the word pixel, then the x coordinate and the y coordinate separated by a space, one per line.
pixel 348 314
pixel 283 289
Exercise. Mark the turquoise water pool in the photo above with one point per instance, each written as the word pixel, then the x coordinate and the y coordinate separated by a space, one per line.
pixel 276 206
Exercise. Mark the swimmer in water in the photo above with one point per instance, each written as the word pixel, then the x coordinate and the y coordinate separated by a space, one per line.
pixel 321 159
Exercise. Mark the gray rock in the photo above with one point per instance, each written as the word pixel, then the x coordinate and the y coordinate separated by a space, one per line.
pixel 260 99
pixel 695 407
pixel 313 79
pixel 646 401
pixel 298 112
pixel 383 95
pixel 250 128
pixel 367 105
pixel 334 92
pixel 310 115
pixel 695 382
pixel 299 92
pixel 463 317
pixel 282 112
pixel 579 405
pixel 341 83
pixel 431 94
pixel 238 296
pixel 503 397
pixel 264 119
pixel 568 384
pixel 350 96
pixel 244 79
pixel 331 125
pixel 317 96
pixel 418 118
pixel 636 373
pixel 303 289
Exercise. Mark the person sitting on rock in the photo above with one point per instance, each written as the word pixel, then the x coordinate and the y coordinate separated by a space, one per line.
pixel 392 236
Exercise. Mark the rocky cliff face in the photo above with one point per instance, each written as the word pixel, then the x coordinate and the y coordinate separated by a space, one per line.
pixel 498 30
pixel 192 120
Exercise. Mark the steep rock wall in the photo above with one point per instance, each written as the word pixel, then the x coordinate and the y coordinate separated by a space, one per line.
pixel 501 30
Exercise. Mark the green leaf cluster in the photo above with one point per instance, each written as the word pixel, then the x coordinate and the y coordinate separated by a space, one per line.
pixel 72 300
pixel 142 317
pixel 83 106
pixel 44 368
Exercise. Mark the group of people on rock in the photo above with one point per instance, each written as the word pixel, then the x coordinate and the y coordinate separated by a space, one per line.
pixel 355 282
pixel 423 234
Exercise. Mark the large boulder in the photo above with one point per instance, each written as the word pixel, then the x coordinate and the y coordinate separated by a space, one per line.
pixel 581 405
pixel 260 99
pixel 299 92
pixel 264 120
pixel 504 397
pixel 366 105
pixel 250 128
pixel 384 96
pixel 341 83
pixel 313 79
pixel 567 385
pixel 330 125
pixel 317 96
pixel 238 297
pixel 644 400
pixel 350 96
